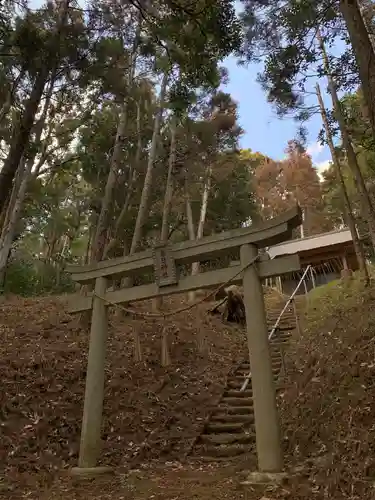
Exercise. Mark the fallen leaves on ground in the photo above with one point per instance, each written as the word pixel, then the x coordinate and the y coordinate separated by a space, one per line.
pixel 150 412
pixel 327 408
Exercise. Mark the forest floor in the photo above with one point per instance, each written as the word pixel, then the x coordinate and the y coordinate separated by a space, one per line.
pixel 151 414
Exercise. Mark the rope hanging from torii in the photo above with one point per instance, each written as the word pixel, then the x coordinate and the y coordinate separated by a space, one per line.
pixel 234 300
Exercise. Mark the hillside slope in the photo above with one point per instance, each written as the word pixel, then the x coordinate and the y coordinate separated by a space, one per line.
pixel 328 409
pixel 43 357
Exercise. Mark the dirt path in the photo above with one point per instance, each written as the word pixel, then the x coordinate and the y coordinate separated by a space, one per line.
pixel 170 481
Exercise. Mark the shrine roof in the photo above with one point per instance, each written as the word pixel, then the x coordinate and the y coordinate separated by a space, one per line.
pixel 325 240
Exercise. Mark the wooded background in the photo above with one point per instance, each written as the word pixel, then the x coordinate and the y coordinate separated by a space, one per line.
pixel 115 132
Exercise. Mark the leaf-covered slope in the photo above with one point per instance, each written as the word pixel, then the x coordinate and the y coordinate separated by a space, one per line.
pixel 327 409
pixel 43 364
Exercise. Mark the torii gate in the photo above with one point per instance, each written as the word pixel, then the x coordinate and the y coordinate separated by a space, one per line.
pixel 162 260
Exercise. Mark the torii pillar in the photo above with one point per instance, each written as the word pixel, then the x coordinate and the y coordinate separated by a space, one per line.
pixel 267 428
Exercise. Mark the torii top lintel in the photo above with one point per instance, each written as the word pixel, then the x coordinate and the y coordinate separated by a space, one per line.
pixel 267 233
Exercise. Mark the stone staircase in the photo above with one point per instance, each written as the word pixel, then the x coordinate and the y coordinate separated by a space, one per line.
pixel 230 430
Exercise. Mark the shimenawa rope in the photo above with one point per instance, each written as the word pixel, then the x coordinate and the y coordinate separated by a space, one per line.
pixel 181 309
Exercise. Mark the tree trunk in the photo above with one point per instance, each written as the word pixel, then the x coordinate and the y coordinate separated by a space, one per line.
pixel 168 197
pixel 101 231
pixel 13 196
pixel 137 347
pixel 169 187
pixel 344 195
pixel 6 218
pixel 302 228
pixel 146 191
pixel 202 219
pixel 190 221
pixel 15 205
pixel 190 225
pixel 165 356
pixel 37 129
pixel 100 238
pixel 21 134
pixel 367 207
pixel 20 137
pixel 113 240
pixel 102 225
pixel 133 170
pixel 363 51
pixel 86 258
pixel 188 210
pixel 202 216
pixel 5 108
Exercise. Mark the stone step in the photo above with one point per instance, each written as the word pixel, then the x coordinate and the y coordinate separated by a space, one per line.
pixel 240 376
pixel 237 401
pixel 238 394
pixel 275 310
pixel 286 317
pixel 247 418
pixel 224 451
pixel 244 374
pixel 208 459
pixel 200 457
pixel 275 358
pixel 278 335
pixel 228 438
pixel 287 327
pixel 235 410
pixel 284 325
pixel 275 344
pixel 230 431
pixel 239 379
pixel 236 385
pixel 278 355
pixel 279 338
pixel 276 362
pixel 246 366
pixel 282 333
pixel 281 347
pixel 216 428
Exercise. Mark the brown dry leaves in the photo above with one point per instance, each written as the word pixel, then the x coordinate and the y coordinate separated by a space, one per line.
pixel 328 409
pixel 43 364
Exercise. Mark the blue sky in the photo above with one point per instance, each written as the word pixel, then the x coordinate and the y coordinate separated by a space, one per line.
pixel 264 131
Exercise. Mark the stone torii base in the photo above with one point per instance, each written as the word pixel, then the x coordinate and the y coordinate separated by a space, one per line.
pixel 90 472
